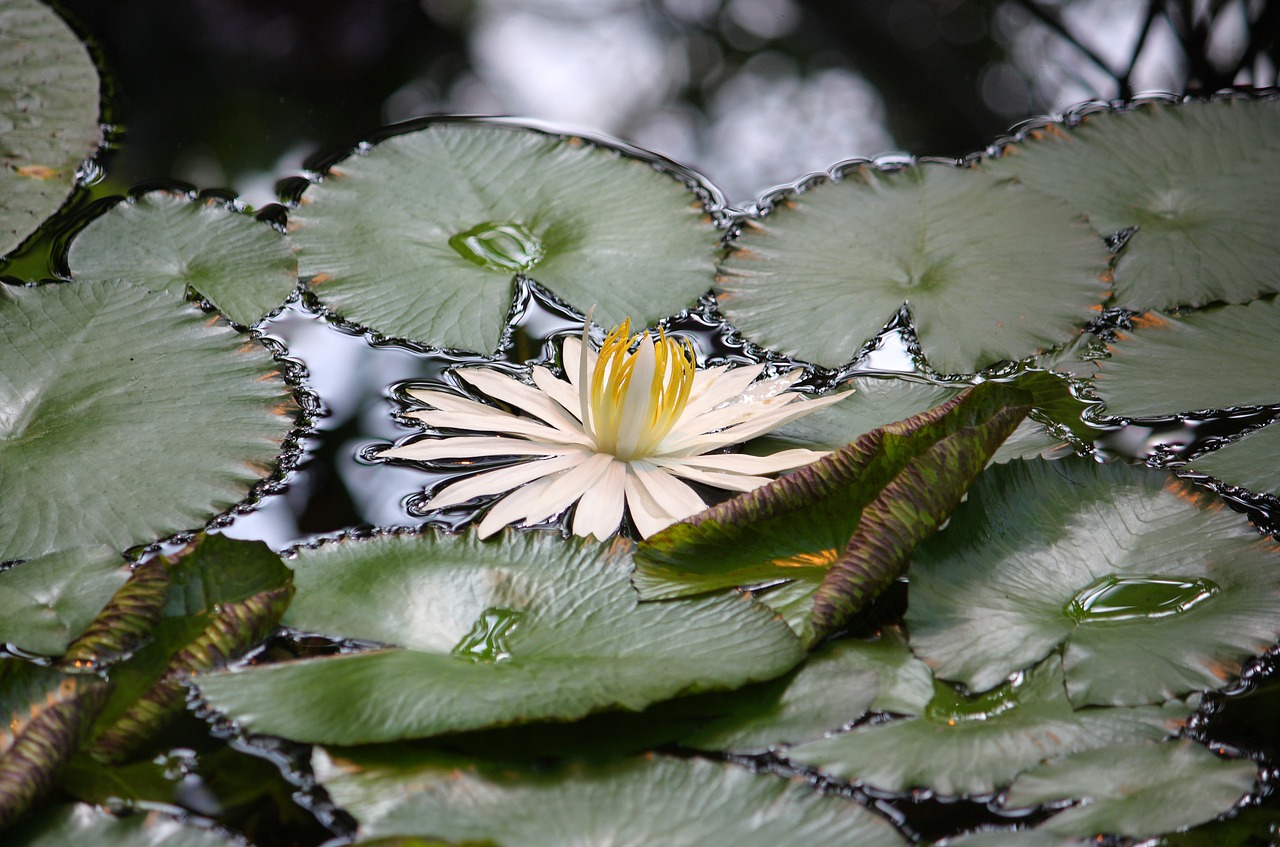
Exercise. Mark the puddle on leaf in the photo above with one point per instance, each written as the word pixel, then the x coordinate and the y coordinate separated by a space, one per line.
pixel 1122 598
pixel 487 640
pixel 499 246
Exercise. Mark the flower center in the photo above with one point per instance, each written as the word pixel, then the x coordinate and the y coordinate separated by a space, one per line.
pixel 635 396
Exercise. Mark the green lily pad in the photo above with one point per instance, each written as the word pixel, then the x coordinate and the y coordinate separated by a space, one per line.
pixel 1252 462
pixel 125 416
pixel 847 522
pixel 168 241
pixel 83 824
pixel 1135 790
pixel 46 602
pixel 1200 361
pixel 1012 838
pixel 990 270
pixel 421 235
pixel 529 627
pixel 48 116
pixel 1201 181
pixel 975 745
pixel 1154 588
pixel 676 802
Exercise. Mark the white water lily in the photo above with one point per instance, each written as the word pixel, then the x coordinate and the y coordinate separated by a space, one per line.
pixel 628 427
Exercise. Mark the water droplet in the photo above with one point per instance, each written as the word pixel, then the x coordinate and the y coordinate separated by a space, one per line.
pixel 952 706
pixel 487 640
pixel 499 245
pixel 1121 598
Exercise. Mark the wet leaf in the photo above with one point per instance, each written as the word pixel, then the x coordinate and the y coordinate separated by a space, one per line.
pixel 1168 365
pixel 1013 838
pixel 43 714
pixel 48 601
pixel 225 597
pixel 1135 790
pixel 990 271
pixel 421 235
pixel 48 115
pixel 847 522
pixel 125 416
pixel 125 623
pixel 1151 585
pixel 83 824
pixel 976 745
pixel 1200 181
pixel 395 790
pixel 1252 462
pixel 167 242
pixel 528 627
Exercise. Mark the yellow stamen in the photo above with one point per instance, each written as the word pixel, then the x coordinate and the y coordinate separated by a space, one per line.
pixel 629 421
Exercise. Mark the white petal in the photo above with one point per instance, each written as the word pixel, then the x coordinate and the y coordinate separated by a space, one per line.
pixel 718 479
pixel 639 396
pixel 513 507
pixel 566 488
pixel 722 386
pixel 559 390
pixel 657 499
pixel 600 513
pixel 571 359
pixel 470 447
pixel 496 420
pixel 690 442
pixel 508 389
pixel 499 480
pixel 783 460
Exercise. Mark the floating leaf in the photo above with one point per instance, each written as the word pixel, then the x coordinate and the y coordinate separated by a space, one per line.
pixel 835 686
pixel 1201 181
pixel 529 627
pixel 1252 462
pixel 421 235
pixel 1155 589
pixel 42 716
pixel 224 598
pixel 48 115
pixel 83 824
pixel 847 522
pixel 1013 838
pixel 125 623
pixel 1201 361
pixel 396 790
pixel 125 416
pixel 46 602
pixel 167 241
pixel 990 271
pixel 1135 790
pixel 975 745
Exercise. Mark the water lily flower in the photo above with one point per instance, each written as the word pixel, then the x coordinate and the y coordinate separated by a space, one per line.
pixel 630 425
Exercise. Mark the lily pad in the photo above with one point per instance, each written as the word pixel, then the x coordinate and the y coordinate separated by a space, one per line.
pixel 1252 462
pixel 529 627
pixel 1154 588
pixel 1013 838
pixel 1135 790
pixel 1200 181
pixel 48 116
pixel 125 416
pixel 421 235
pixel 1203 361
pixel 46 602
pixel 168 241
pixel 676 802
pixel 990 270
pixel 83 824
pixel 976 745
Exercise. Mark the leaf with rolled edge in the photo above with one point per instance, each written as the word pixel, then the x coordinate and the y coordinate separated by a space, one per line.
pixel 43 715
pixel 225 597
pixel 82 824
pixel 48 601
pixel 522 628
pixel 852 517
pixel 127 620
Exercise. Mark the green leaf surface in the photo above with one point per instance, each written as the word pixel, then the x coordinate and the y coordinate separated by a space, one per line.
pixel 48 601
pixel 421 235
pixel 48 115
pixel 1252 462
pixel 1205 360
pixel 976 745
pixel 852 517
pixel 1013 838
pixel 1153 587
pixel 1135 790
pixel 125 416
pixel 125 623
pixel 43 714
pixel 1201 181
pixel 990 271
pixel 525 628
pixel 673 802
pixel 62 826
pixel 166 242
